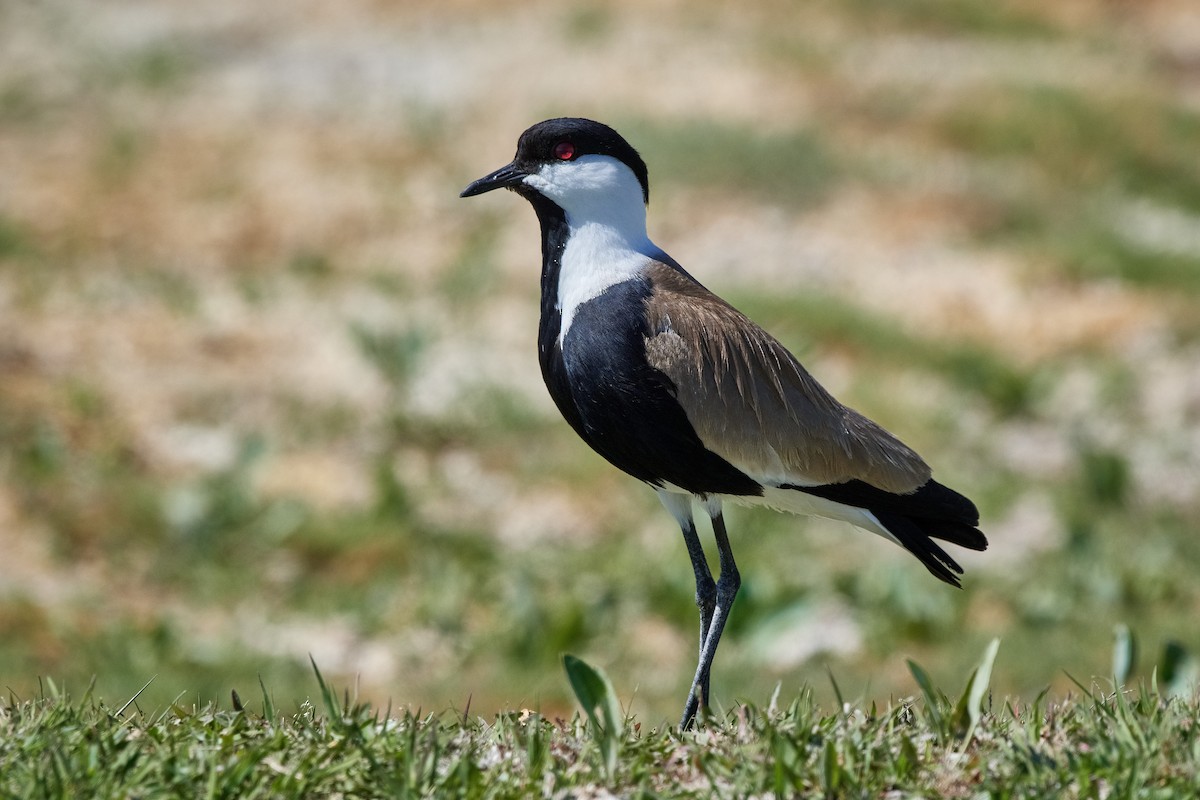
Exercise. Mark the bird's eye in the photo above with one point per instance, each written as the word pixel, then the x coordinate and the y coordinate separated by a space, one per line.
pixel 564 151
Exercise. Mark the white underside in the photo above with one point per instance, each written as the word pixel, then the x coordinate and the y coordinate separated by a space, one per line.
pixel 791 500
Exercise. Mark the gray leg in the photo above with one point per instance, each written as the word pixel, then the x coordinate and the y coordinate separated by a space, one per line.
pixel 706 601
pixel 726 590
pixel 680 507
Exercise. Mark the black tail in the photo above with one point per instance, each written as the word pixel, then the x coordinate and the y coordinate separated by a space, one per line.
pixel 932 512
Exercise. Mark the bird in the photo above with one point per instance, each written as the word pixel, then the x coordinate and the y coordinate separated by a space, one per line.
pixel 677 388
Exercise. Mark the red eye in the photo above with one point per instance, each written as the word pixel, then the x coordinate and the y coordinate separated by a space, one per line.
pixel 564 151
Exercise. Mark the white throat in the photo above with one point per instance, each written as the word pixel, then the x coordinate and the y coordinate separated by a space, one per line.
pixel 606 217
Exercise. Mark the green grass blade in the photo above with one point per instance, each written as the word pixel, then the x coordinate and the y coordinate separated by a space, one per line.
pixel 837 690
pixel 596 695
pixel 933 702
pixel 268 705
pixel 831 773
pixel 970 705
pixel 960 717
pixel 130 701
pixel 327 696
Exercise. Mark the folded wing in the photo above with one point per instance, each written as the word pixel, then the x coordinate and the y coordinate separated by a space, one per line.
pixel 752 402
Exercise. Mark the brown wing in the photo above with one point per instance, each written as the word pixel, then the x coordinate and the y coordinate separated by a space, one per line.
pixel 752 403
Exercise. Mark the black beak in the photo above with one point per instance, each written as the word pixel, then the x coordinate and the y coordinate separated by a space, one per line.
pixel 506 177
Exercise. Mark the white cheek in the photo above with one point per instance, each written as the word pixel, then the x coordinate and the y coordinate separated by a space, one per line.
pixel 538 183
pixel 590 186
pixel 567 183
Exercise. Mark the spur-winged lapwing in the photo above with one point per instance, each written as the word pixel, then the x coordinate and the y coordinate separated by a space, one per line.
pixel 680 390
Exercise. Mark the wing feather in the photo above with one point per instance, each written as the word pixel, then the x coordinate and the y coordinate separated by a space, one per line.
pixel 754 404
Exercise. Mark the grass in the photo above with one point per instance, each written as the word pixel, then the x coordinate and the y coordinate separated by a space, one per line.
pixel 967 17
pixel 1136 742
pixel 1095 252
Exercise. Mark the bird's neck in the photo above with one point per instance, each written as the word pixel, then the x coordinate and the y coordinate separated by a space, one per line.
pixel 597 257
pixel 555 233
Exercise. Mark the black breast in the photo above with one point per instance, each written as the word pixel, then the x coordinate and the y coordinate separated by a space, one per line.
pixel 624 408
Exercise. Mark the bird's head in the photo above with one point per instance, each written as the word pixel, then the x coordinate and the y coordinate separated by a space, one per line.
pixel 585 168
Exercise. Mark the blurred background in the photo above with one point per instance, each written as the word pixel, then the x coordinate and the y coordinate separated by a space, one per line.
pixel 268 388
